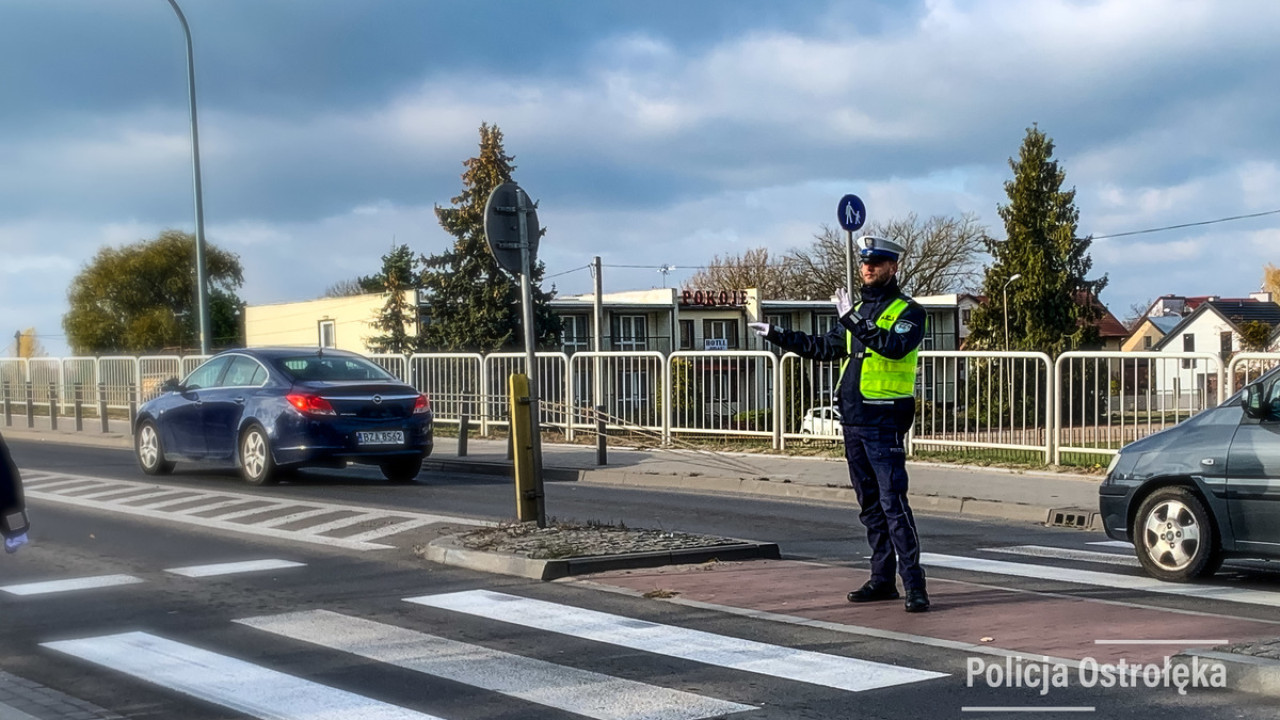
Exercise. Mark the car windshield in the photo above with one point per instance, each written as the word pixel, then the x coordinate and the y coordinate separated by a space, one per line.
pixel 331 368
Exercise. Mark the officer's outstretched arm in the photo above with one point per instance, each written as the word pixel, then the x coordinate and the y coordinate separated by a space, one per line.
pixel 897 341
pixel 831 346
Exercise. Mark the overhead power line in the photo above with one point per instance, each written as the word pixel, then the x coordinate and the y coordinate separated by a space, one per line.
pixel 1187 225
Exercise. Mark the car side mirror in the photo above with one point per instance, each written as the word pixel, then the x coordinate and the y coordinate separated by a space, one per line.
pixel 171 385
pixel 1252 402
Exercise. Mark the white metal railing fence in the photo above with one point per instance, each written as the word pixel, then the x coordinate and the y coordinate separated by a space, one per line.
pixel 1105 400
pixel 454 382
pixel 992 400
pixel 629 386
pixel 1083 404
pixel 722 393
pixel 1247 367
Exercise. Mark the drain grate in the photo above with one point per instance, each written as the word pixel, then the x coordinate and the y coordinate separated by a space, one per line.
pixel 1070 518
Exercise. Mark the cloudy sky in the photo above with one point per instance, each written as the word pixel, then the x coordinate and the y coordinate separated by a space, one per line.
pixel 653 133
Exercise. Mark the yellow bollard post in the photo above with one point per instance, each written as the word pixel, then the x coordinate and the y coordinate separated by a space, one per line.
pixel 522 447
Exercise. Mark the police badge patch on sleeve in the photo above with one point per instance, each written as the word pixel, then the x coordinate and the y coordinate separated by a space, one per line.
pixel 903 327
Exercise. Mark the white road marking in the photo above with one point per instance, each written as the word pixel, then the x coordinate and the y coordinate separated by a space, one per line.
pixel 171 497
pixel 232 568
pixel 1114 544
pixel 48 587
pixel 834 671
pixel 295 517
pixel 343 522
pixel 124 496
pixel 1067 554
pixel 1111 580
pixel 577 691
pixel 226 681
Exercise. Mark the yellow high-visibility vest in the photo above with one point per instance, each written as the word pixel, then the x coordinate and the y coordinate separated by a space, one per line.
pixel 883 378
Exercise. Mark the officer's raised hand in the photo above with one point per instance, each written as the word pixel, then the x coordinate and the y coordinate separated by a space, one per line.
pixel 849 317
pixel 761 329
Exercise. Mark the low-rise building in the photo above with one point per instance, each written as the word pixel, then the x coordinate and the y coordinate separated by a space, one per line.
pixel 345 323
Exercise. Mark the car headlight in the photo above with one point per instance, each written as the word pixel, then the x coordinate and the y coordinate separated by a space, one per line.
pixel 1115 460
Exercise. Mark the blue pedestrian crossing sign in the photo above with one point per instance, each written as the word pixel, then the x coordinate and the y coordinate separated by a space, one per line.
pixel 851 212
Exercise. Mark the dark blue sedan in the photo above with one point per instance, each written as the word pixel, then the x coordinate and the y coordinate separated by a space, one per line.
pixel 267 409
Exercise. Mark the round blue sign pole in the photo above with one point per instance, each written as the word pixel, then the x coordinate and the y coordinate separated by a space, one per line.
pixel 851 214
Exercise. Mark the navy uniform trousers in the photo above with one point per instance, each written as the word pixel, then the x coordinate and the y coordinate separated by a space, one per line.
pixel 878 471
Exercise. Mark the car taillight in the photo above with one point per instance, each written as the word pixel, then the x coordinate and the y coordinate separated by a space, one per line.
pixel 422 405
pixel 310 404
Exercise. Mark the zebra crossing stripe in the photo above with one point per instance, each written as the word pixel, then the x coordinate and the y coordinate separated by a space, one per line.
pixel 1102 579
pixel 232 568
pixel 577 691
pixel 241 686
pixel 49 587
pixel 225 510
pixel 834 671
pixel 1044 551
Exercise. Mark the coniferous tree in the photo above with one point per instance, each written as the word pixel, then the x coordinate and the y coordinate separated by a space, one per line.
pixel 472 304
pixel 398 314
pixel 1053 305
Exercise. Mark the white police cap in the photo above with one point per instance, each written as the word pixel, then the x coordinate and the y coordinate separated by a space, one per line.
pixel 874 248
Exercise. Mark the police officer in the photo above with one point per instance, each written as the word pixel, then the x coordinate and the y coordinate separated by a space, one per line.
pixel 877 340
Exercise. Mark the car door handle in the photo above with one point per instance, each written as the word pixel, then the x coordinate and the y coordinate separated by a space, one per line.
pixel 239 401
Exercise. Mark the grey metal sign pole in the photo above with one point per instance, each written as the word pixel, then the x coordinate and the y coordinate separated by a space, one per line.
pixel 531 355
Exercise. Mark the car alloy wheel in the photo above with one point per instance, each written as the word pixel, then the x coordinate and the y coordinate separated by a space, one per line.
pixel 1175 537
pixel 256 464
pixel 150 451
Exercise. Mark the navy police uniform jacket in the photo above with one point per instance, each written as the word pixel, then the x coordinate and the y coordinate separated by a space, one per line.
pixel 894 344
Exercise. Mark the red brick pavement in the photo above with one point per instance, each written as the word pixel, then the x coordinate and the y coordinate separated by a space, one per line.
pixel 965 612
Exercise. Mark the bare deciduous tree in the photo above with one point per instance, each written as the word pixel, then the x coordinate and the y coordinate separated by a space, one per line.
pixel 941 255
pixel 752 269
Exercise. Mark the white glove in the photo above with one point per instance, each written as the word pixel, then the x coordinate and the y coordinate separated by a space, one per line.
pixel 761 329
pixel 843 306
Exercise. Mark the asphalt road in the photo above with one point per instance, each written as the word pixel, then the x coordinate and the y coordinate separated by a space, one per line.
pixel 186 644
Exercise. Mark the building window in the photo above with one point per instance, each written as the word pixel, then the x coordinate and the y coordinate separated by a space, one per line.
pixel 964 315
pixel 1146 342
pixel 783 321
pixel 720 334
pixel 824 324
pixel 1188 345
pixel 1224 343
pixel 686 334
pixel 328 337
pixel 575 335
pixel 630 332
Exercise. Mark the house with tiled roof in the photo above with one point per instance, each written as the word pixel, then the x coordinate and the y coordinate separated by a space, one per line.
pixel 1215 326
pixel 1150 331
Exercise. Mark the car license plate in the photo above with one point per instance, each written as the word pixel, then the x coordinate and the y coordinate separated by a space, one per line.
pixel 380 437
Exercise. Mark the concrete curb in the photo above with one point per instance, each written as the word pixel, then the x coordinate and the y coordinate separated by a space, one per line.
pixel 693 482
pixel 448 551
pixel 69 437
pixel 1246 673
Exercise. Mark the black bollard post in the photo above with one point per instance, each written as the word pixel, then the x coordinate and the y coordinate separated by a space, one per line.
pixel 602 438
pixel 133 407
pixel 464 427
pixel 31 407
pixel 79 408
pixel 8 409
pixel 53 406
pixel 102 406
pixel 511 437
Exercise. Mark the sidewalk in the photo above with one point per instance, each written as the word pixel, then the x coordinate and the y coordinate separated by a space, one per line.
pixel 935 487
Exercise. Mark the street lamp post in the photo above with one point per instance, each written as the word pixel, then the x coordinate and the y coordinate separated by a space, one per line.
pixel 1006 309
pixel 202 285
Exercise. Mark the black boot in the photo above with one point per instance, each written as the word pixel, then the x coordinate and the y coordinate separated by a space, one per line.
pixel 917 600
pixel 873 591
